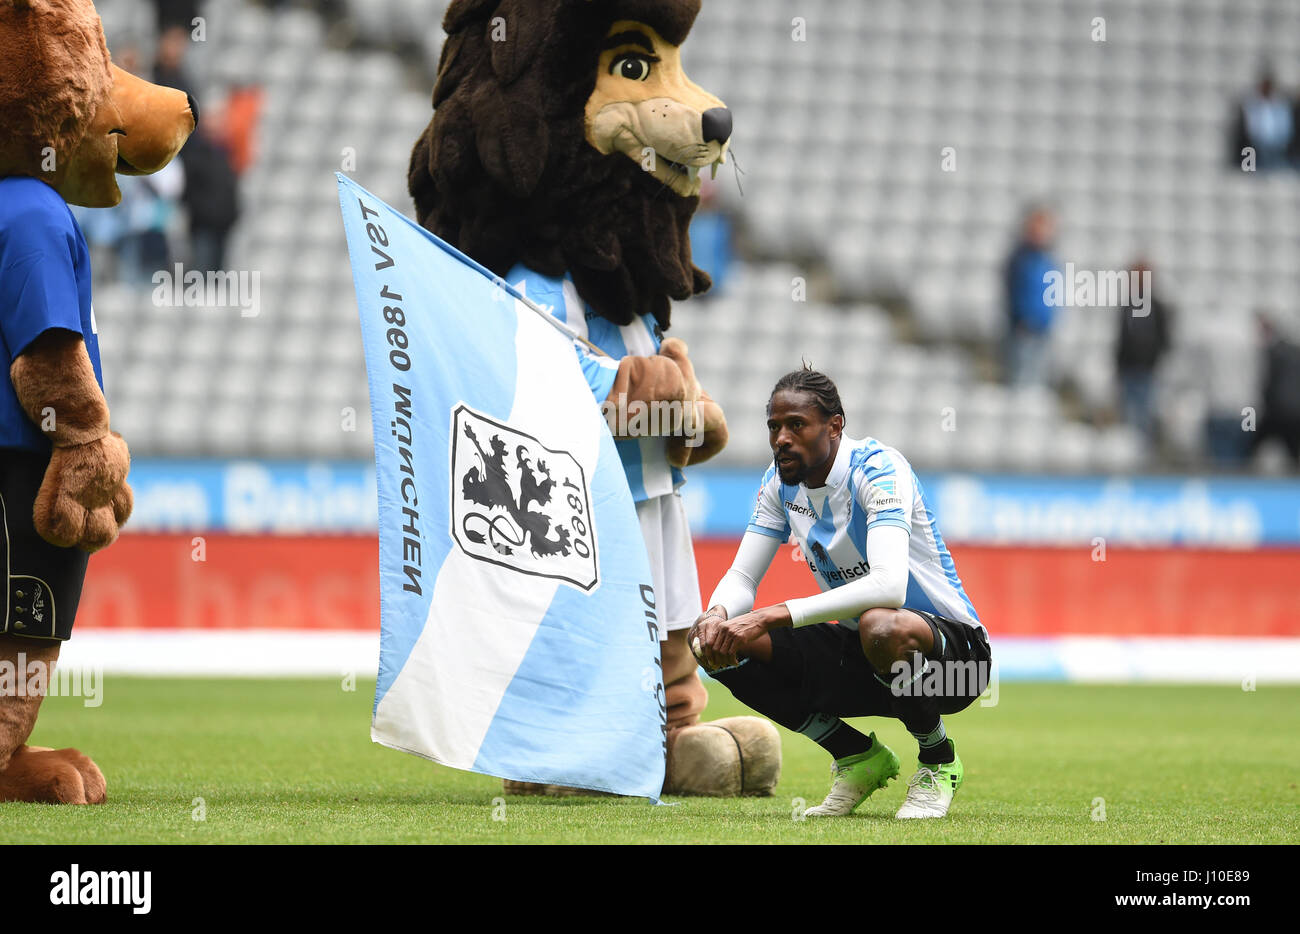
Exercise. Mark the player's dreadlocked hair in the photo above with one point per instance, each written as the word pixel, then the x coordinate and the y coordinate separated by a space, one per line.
pixel 818 385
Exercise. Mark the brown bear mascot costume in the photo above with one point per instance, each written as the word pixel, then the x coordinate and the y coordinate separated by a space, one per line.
pixel 69 120
pixel 564 155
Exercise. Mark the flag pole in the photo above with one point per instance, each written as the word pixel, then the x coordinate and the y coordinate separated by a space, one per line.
pixel 554 321
pixel 509 289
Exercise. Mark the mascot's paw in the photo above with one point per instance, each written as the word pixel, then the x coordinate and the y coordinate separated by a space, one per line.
pixel 675 349
pixel 552 791
pixel 708 437
pixel 728 758
pixel 48 776
pixel 84 499
pixel 91 777
pixel 705 429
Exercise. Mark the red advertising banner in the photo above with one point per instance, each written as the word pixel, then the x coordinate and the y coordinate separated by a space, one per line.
pixel 222 581
pixel 1058 591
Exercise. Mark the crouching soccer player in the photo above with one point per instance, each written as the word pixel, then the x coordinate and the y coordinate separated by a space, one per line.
pixel 909 644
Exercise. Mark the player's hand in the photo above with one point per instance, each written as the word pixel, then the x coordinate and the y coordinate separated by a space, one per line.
pixel 702 636
pixel 734 634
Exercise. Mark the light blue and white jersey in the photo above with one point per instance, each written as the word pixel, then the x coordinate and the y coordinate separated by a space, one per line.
pixel 645 460
pixel 869 484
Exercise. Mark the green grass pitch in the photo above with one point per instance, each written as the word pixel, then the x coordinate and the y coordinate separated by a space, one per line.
pixel 279 761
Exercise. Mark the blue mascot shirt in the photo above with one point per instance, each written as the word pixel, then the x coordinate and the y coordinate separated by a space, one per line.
pixel 44 283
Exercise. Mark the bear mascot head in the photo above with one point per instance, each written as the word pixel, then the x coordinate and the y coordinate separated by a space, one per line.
pixel 71 117
pixel 69 121
pixel 565 147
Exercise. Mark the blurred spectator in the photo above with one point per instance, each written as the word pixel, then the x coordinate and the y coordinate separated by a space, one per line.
pixel 215 156
pixel 169 62
pixel 1030 317
pixel 238 121
pixel 103 231
pixel 1281 415
pixel 711 238
pixel 1143 340
pixel 148 204
pixel 1265 122
pixel 211 198
pixel 1295 131
pixel 176 13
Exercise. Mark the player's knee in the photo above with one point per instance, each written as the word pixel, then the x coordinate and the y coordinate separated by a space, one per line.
pixel 878 630
pixel 880 625
pixel 886 635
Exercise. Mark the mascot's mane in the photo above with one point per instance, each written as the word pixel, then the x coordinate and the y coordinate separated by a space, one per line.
pixel 505 173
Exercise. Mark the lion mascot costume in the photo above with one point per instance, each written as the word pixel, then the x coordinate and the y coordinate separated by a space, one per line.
pixel 69 120
pixel 564 154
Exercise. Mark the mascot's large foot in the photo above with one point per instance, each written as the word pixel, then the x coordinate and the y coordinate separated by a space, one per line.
pixel 91 776
pixel 725 758
pixel 52 776
pixel 728 758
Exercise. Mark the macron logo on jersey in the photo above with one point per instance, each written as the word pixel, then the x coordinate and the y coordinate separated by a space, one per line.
pixel 802 510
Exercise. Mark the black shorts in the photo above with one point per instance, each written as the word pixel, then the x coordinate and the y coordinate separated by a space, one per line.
pixel 833 675
pixel 43 580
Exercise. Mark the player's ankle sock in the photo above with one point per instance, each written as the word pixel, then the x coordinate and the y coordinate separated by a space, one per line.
pixel 936 747
pixel 835 736
pixel 942 754
pixel 846 741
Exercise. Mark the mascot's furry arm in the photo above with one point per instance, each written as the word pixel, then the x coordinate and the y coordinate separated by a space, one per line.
pixel 84 499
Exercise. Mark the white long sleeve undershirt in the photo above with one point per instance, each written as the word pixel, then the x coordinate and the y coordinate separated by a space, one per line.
pixel 884 585
pixel 735 592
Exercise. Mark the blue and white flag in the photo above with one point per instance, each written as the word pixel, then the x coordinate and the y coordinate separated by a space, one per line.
pixel 519 633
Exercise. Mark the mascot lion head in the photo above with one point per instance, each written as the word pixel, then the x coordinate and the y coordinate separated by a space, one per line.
pixel 567 137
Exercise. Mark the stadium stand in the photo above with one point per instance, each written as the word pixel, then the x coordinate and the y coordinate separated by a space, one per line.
pixel 840 138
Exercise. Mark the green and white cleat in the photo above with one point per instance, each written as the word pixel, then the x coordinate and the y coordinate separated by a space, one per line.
pixel 930 791
pixel 855 778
